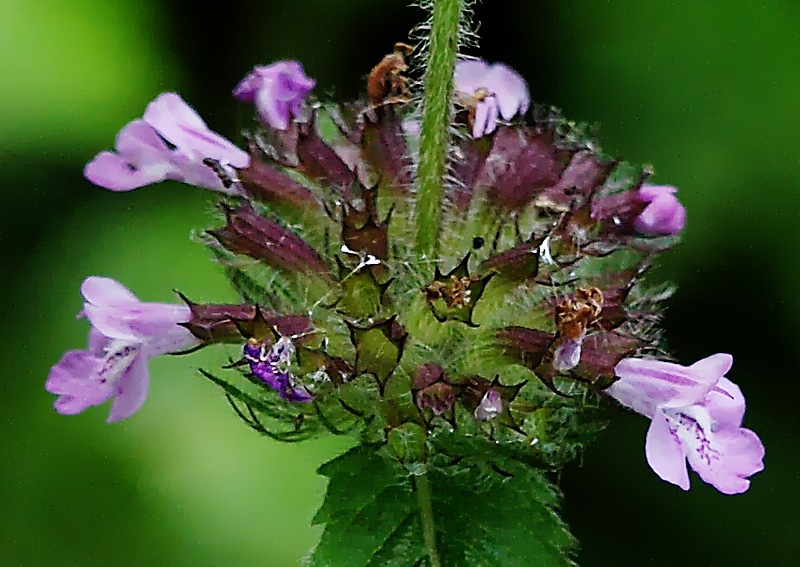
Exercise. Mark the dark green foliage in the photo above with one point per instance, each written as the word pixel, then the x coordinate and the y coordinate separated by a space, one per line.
pixel 487 512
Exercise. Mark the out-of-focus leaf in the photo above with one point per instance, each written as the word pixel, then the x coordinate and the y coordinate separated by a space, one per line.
pixel 66 81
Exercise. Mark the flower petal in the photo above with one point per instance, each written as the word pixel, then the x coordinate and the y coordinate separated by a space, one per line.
pixel 140 144
pixel 713 367
pixel 97 342
pixel 73 365
pixel 726 458
pixel 177 122
pixel 726 405
pixel 510 89
pixel 152 324
pixel 76 380
pixel 245 90
pixel 107 320
pixel 106 292
pixel 491 120
pixel 142 158
pixel 113 172
pixel 131 391
pixel 278 91
pixel 663 215
pixel 665 452
pixel 105 298
pixel 470 75
pixel 167 336
pixel 645 384
pixel 272 110
pixel 481 121
pixel 291 84
pixel 116 313
pixel 652 192
pixel 170 116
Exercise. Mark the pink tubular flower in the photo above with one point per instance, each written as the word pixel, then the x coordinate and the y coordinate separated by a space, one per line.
pixel 169 142
pixel 663 214
pixel 696 414
pixel 125 334
pixel 498 90
pixel 278 91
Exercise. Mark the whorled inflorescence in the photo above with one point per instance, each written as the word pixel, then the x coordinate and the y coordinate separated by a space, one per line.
pixel 530 316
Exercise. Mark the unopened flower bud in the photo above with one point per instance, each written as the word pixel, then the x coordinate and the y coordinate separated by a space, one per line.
pixel 247 232
pixel 221 323
pixel 432 390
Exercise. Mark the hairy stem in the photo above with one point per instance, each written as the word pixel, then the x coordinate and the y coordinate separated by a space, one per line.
pixel 423 485
pixel 435 133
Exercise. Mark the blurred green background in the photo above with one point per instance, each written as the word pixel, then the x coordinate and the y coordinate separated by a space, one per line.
pixel 706 91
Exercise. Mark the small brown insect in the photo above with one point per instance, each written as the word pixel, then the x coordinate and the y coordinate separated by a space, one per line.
pixel 386 83
pixel 225 172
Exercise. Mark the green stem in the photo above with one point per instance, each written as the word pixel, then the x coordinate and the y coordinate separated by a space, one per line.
pixel 423 485
pixel 435 133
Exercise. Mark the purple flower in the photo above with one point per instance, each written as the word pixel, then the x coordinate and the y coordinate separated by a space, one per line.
pixel 125 334
pixel 696 414
pixel 273 366
pixel 663 214
pixel 495 90
pixel 169 142
pixel 277 90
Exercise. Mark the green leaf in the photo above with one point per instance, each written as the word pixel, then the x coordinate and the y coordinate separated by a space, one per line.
pixel 490 513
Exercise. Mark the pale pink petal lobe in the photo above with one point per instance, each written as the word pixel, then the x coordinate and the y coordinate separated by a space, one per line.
pixel 665 453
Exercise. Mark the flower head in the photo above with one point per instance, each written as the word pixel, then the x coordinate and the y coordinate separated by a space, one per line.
pixel 696 414
pixel 663 213
pixel 278 91
pixel 125 334
pixel 169 142
pixel 348 261
pixel 493 90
